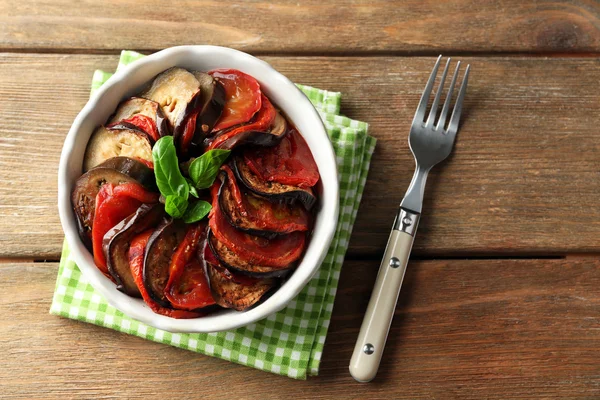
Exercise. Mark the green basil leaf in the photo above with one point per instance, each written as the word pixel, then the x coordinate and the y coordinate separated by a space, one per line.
pixel 193 190
pixel 196 211
pixel 169 180
pixel 204 169
pixel 176 206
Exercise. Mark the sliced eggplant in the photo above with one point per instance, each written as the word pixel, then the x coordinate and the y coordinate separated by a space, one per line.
pixel 161 246
pixel 133 168
pixel 84 194
pixel 230 294
pixel 140 106
pixel 232 261
pixel 106 144
pixel 271 190
pixel 257 215
pixel 278 252
pixel 117 240
pixel 178 93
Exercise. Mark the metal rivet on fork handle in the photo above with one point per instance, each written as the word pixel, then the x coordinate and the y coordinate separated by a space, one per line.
pixel 394 262
pixel 369 349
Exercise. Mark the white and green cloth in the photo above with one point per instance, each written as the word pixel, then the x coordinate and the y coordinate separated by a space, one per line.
pixel 289 342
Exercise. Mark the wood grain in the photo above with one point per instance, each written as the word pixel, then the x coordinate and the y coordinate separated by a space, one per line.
pixel 523 178
pixel 309 26
pixel 491 329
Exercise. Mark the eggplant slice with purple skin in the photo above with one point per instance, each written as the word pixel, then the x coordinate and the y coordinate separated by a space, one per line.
pixel 133 168
pixel 117 240
pixel 230 294
pixel 87 186
pixel 230 260
pixel 106 143
pixel 271 190
pixel 178 93
pixel 256 215
pixel 161 246
pixel 139 106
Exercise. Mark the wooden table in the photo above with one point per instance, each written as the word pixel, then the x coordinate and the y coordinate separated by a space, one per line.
pixel 502 295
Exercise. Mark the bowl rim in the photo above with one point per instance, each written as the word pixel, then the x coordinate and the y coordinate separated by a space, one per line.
pixel 230 319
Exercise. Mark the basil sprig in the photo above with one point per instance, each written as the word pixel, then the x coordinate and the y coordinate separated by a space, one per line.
pixel 175 188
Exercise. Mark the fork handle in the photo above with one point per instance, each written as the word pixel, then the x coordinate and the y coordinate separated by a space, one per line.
pixel 380 311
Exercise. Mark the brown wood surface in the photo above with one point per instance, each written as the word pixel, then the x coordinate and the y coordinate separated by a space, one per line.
pixel 463 329
pixel 522 183
pixel 523 178
pixel 308 26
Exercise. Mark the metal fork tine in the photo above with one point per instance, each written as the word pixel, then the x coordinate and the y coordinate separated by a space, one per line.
pixel 453 127
pixel 438 94
pixel 420 114
pixel 444 114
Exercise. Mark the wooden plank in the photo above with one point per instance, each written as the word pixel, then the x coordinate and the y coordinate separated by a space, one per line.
pixel 289 26
pixel 491 329
pixel 523 177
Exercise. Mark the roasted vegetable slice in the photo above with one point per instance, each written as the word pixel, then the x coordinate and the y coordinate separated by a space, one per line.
pixel 258 131
pixel 201 123
pixel 232 261
pixel 256 215
pixel 177 91
pixel 160 249
pixel 278 252
pixel 230 294
pixel 114 204
pixel 271 190
pixel 106 143
pixel 187 287
pixel 142 113
pixel 133 168
pixel 213 101
pixel 242 97
pixel 136 264
pixel 118 239
pixel 290 162
pixel 84 195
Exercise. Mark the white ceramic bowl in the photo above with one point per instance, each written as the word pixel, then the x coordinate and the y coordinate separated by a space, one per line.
pixel 278 88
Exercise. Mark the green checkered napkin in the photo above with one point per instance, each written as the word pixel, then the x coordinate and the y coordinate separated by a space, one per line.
pixel 289 342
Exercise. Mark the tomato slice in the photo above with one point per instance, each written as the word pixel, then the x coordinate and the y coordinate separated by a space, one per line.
pixel 290 162
pixel 278 252
pixel 249 212
pixel 147 163
pixel 187 287
pixel 262 121
pixel 114 204
pixel 188 133
pixel 242 97
pixel 144 123
pixel 136 263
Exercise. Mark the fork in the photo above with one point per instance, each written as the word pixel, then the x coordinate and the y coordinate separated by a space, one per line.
pixel 430 144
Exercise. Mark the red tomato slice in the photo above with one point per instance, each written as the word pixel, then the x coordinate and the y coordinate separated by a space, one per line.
pixel 188 288
pixel 136 263
pixel 114 204
pixel 142 122
pixel 289 162
pixel 278 252
pixel 188 133
pixel 242 97
pixel 261 122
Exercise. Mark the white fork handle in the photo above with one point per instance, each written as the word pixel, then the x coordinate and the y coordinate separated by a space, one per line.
pixel 380 311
